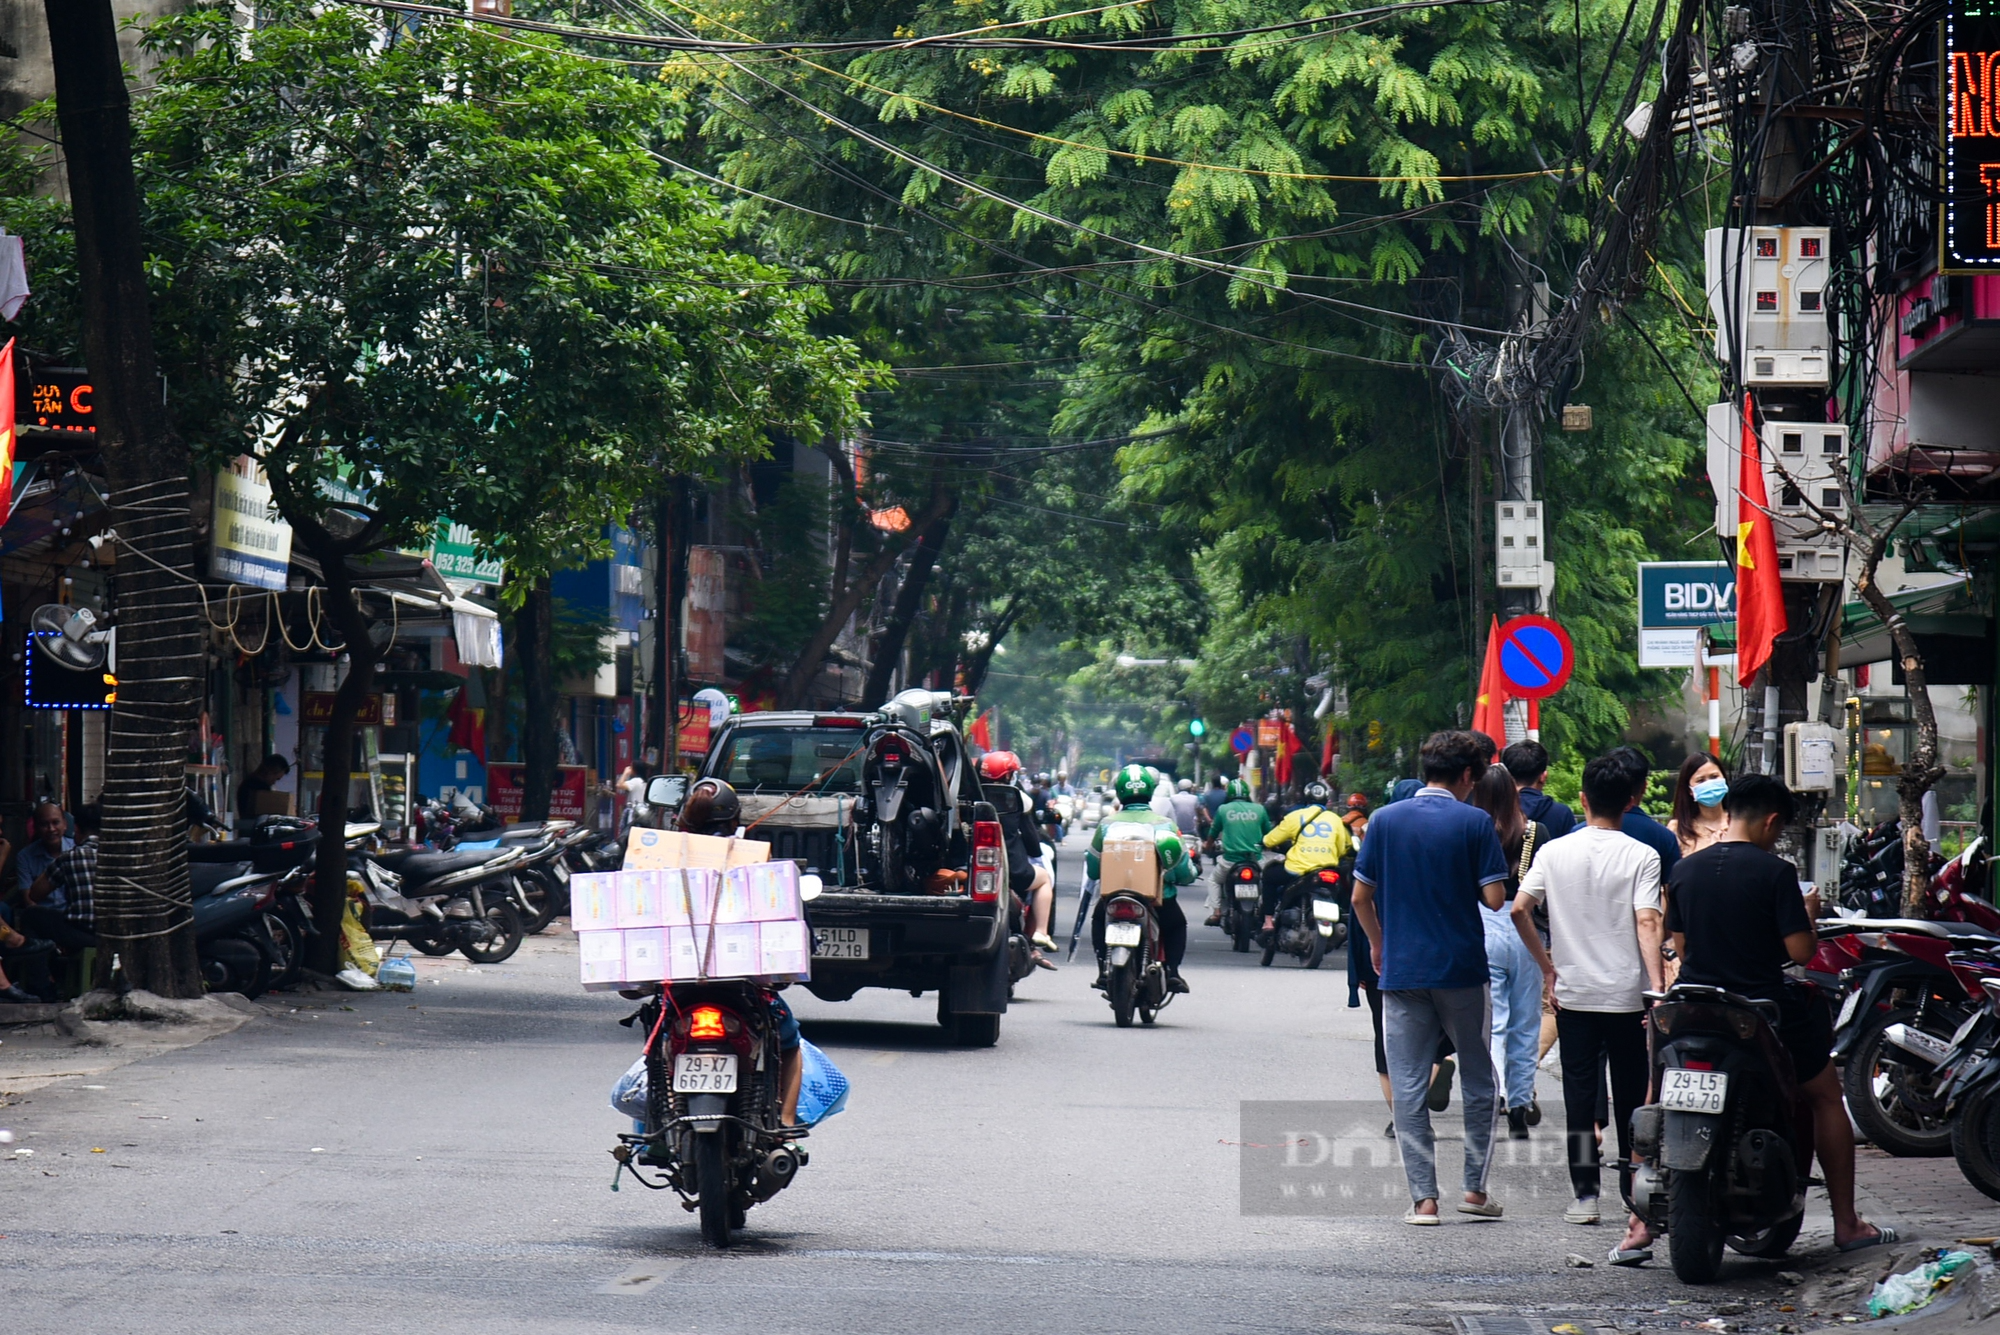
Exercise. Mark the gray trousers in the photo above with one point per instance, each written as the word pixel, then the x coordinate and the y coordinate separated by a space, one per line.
pixel 1412 1023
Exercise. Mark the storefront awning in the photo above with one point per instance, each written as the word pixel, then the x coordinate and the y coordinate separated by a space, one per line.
pixel 1943 609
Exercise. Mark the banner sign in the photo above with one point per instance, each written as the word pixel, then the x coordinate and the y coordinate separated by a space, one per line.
pixel 1676 599
pixel 566 799
pixel 248 542
pixel 318 710
pixel 1970 237
pixel 705 633
pixel 456 556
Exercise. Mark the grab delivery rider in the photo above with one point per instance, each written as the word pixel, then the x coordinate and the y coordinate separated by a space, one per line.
pixel 1312 837
pixel 1133 787
pixel 1239 828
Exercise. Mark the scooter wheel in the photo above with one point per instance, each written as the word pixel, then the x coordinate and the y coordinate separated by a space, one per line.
pixel 505 940
pixel 431 946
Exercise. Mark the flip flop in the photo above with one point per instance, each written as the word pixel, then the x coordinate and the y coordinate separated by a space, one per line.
pixel 1631 1256
pixel 1883 1236
pixel 1421 1220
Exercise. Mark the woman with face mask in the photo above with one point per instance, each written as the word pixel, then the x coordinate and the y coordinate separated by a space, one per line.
pixel 1698 820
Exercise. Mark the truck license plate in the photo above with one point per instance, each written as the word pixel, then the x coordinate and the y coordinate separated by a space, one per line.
pixel 705 1073
pixel 1694 1091
pixel 840 943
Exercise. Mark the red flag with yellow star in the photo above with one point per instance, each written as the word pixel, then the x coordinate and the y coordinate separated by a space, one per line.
pixel 6 431
pixel 1489 711
pixel 1760 596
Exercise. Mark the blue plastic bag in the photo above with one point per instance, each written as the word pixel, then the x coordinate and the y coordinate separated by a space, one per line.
pixel 822 1088
pixel 628 1096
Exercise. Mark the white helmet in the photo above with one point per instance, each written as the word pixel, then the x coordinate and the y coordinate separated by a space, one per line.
pixel 1185 786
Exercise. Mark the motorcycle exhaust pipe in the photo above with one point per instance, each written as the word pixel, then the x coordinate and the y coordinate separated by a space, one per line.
pixel 1926 1047
pixel 774 1173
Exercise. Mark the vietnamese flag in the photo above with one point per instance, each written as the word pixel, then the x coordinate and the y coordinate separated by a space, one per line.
pixel 1489 711
pixel 7 431
pixel 468 726
pixel 981 732
pixel 1760 597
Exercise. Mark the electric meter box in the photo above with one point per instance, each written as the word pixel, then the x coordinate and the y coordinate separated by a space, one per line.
pixel 1801 460
pixel 1767 285
pixel 1812 757
pixel 1519 549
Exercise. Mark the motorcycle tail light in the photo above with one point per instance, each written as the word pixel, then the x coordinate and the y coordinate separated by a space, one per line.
pixel 705 1023
pixel 890 752
pixel 1329 877
pixel 1246 874
pixel 1124 910
pixel 985 861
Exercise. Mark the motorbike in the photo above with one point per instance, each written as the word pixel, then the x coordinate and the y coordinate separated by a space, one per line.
pixel 909 813
pixel 1972 1092
pixel 540 886
pixel 1307 921
pixel 439 902
pixel 281 848
pixel 714 1112
pixel 1135 959
pixel 1242 889
pixel 232 946
pixel 1723 1153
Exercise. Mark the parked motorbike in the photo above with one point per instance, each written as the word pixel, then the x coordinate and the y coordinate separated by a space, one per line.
pixel 232 946
pixel 1972 1092
pixel 1135 958
pixel 440 902
pixel 1243 887
pixel 1306 924
pixel 714 1107
pixel 282 849
pixel 1724 1152
pixel 540 886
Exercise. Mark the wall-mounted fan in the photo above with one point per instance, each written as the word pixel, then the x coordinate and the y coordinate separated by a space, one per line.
pixel 69 635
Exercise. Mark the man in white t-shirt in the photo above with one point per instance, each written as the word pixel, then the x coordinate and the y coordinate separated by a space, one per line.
pixel 1602 891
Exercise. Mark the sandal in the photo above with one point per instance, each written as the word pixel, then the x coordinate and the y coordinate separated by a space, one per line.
pixel 1631 1256
pixel 1883 1236
pixel 1421 1220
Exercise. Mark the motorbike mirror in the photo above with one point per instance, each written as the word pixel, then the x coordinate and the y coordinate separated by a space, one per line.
pixel 810 887
pixel 668 790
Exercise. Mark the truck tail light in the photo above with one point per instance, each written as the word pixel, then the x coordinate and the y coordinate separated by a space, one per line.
pixel 985 861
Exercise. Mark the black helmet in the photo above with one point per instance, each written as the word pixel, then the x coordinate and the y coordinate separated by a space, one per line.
pixel 1317 791
pixel 711 808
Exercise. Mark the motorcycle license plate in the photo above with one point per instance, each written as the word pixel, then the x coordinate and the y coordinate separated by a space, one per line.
pixel 705 1073
pixel 840 943
pixel 1121 934
pixel 1247 891
pixel 1694 1091
pixel 1847 1009
pixel 1326 910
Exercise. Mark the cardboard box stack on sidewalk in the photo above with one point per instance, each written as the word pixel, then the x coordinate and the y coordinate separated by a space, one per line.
pixel 688 908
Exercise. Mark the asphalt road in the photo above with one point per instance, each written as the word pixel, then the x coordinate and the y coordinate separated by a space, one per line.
pixel 438 1162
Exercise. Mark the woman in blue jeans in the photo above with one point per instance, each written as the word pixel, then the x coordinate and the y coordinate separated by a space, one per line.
pixel 1516 979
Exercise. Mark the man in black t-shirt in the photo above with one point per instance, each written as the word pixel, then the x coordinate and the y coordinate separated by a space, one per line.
pixel 1737 918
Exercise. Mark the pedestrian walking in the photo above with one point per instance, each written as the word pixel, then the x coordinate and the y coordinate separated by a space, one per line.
pixel 1602 892
pixel 1637 823
pixel 1426 866
pixel 1699 789
pixel 1528 762
pixel 1515 977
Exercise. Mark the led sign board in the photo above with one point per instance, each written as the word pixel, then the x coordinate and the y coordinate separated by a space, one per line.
pixel 1969 234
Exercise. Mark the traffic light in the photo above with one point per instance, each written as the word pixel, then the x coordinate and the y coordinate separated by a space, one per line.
pixel 1197 728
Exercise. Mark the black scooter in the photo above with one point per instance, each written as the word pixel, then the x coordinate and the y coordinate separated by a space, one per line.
pixel 1724 1153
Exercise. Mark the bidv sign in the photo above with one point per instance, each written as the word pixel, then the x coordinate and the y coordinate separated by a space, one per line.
pixel 1676 599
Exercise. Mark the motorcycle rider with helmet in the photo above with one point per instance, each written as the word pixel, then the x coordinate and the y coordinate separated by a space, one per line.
pixel 1313 838
pixel 712 807
pixel 1239 828
pixel 1133 787
pixel 1028 875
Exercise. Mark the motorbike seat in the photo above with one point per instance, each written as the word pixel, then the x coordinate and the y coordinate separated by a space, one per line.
pixel 418 865
pixel 206 878
pixel 1702 992
pixel 532 833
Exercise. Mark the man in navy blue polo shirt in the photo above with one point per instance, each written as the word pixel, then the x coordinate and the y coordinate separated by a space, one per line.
pixel 1426 866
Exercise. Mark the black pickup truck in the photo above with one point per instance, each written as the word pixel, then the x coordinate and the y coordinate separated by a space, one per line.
pixel 886 809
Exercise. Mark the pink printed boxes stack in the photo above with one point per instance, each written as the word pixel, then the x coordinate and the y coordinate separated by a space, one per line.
pixel 686 924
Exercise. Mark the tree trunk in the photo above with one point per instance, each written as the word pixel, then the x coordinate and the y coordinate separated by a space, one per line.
pixel 329 896
pixel 1921 771
pixel 143 906
pixel 534 650
pixel 847 600
pixel 888 646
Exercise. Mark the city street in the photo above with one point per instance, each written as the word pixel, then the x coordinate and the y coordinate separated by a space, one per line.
pixel 437 1162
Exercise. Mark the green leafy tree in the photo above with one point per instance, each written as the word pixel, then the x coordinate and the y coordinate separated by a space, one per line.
pixel 444 274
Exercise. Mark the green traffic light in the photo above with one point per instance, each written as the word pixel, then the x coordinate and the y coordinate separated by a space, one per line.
pixel 1197 728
